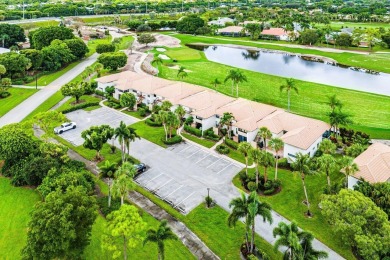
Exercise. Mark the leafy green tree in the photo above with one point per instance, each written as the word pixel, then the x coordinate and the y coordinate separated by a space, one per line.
pixel 355 150
pixel 128 100
pixel 301 166
pixel 74 89
pixel 61 226
pixel 5 84
pixel 159 237
pixel 359 223
pixel 344 40
pixel 105 47
pixel 166 106
pixel 3 70
pixel 254 29
pixel 77 47
pixel 107 170
pixel 245 148
pixel 94 138
pixel 180 112
pixel 190 24
pixel 216 82
pixel 290 85
pixel 146 38
pixel 125 224
pixel 14 63
pixel 327 147
pixel 35 56
pixel 182 73
pixel 326 164
pixel 98 67
pixel 113 60
pixel 277 145
pixel 309 36
pixel 44 36
pixel 144 28
pixel 14 34
pixel 237 77
pixel 56 55
pixel 379 193
pixel 266 160
pixel 123 182
pixel 264 133
pixel 47 120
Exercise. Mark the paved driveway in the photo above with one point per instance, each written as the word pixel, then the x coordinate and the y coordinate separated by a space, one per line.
pixel 86 119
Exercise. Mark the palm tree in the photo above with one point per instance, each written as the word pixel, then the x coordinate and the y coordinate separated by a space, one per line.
pixel 307 245
pixel 289 237
pixel 276 145
pixel 244 148
pixel 255 155
pixel 157 61
pixel 301 165
pixel 227 120
pixel 338 118
pixel 122 132
pixel 264 133
pixel 290 85
pixel 216 82
pixel 327 147
pixel 257 208
pixel 98 68
pixel 180 112
pixel 159 236
pixel 326 163
pixel 162 117
pixel 130 137
pixel 166 105
pixel 173 122
pixel 236 76
pixel 334 102
pixel 182 73
pixel 107 171
pixel 266 160
pixel 231 76
pixel 348 166
pixel 240 210
pixel 123 182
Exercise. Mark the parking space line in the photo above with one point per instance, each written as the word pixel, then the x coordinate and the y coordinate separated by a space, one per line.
pixel 158 188
pixel 153 178
pixel 185 148
pixel 197 151
pixel 224 168
pixel 214 162
pixel 184 199
pixel 173 191
pixel 207 154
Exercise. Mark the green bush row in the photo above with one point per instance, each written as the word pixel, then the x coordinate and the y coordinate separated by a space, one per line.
pixel 173 140
pixel 231 143
pixel 149 122
pixel 222 149
pixel 193 130
pixel 77 107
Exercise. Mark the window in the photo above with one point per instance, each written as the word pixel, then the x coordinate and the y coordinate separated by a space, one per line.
pixel 291 155
pixel 217 116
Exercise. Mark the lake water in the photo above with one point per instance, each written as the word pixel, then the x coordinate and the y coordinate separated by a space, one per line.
pixel 293 66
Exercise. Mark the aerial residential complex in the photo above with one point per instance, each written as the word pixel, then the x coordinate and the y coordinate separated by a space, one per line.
pixel 299 134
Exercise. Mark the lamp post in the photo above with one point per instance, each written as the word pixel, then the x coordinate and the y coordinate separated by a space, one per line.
pixel 208 192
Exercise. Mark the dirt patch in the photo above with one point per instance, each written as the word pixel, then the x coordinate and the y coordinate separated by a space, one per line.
pixel 177 67
pixel 132 59
pixel 74 103
pixel 161 41
pixel 147 65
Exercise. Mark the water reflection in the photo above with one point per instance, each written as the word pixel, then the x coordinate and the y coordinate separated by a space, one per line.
pixel 289 65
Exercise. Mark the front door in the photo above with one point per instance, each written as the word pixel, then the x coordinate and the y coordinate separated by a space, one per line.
pixel 241 138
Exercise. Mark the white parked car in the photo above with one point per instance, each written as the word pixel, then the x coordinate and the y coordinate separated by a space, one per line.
pixel 65 127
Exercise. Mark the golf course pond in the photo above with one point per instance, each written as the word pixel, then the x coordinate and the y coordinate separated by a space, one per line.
pixel 303 67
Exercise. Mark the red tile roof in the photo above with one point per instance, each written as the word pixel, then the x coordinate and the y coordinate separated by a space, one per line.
pixel 274 32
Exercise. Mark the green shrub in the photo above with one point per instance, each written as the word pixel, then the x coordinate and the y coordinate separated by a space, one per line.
pixel 208 201
pixel 252 186
pixel 173 140
pixel 189 120
pixel 231 143
pixel 142 111
pixel 4 94
pixel 99 93
pixel 103 205
pixel 268 192
pixel 283 163
pixel 222 149
pixel 209 134
pixel 77 107
pixel 193 130
pixel 150 122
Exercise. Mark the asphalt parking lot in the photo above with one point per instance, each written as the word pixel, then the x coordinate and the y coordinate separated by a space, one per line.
pixel 86 119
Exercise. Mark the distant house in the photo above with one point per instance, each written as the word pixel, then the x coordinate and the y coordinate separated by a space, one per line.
pixel 221 21
pixel 231 31
pixel 275 34
pixel 374 165
pixel 4 50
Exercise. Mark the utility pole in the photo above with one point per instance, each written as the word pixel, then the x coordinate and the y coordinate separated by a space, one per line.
pixel 182 5
pixel 23 9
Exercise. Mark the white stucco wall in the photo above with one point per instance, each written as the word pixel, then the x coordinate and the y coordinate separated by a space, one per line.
pixel 352 181
pixel 208 123
pixel 292 150
pixel 102 86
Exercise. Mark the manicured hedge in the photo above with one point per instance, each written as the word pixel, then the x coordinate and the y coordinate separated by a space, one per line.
pixel 193 130
pixel 231 143
pixel 222 149
pixel 173 140
pixel 149 122
pixel 77 107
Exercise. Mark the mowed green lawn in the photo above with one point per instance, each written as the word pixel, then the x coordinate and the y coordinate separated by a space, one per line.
pixel 18 95
pixel 15 206
pixel 152 134
pixel 377 62
pixel 289 204
pixel 370 112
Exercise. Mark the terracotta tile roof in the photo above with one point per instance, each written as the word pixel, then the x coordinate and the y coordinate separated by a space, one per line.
pixel 146 84
pixel 177 91
pixel 125 75
pixel 374 164
pixel 231 29
pixel 246 113
pixel 204 104
pixel 274 32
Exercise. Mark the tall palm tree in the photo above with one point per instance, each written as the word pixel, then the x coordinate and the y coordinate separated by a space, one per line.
pixel 334 102
pixel 107 171
pixel 130 137
pixel 159 237
pixel 257 208
pixel 290 85
pixel 236 76
pixel 301 165
pixel 326 163
pixel 338 118
pixel 276 144
pixel 245 148
pixel 255 154
pixel 123 182
pixel 327 147
pixel 264 133
pixel 216 82
pixel 289 237
pixel 227 120
pixel 240 210
pixel 348 166
pixel 180 112
pixel 163 117
pixel 266 160
pixel 308 251
pixel 173 123
pixel 121 133
pixel 231 76
pixel 157 61
pixel 182 73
